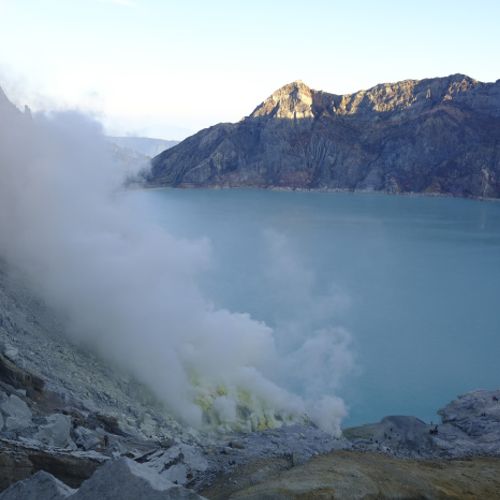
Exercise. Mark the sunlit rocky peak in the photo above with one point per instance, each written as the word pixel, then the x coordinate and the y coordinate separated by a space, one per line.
pixel 293 100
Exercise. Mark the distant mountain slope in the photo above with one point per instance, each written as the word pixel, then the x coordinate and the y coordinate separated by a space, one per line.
pixel 125 151
pixel 439 135
pixel 143 145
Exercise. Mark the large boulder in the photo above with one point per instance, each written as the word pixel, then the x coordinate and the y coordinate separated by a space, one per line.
pixel 470 426
pixel 56 433
pixel 476 413
pixel 124 479
pixel 17 413
pixel 40 486
pixel 397 434
pixel 180 463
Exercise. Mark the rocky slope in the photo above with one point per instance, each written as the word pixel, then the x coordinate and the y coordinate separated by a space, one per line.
pixel 66 412
pixel 438 136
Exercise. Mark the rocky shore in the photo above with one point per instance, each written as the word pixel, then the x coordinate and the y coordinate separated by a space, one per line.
pixel 71 426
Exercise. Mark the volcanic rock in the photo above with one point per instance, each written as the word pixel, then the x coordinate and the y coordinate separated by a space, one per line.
pixel 125 479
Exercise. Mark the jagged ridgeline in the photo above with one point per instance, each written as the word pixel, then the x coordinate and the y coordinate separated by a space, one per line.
pixel 436 136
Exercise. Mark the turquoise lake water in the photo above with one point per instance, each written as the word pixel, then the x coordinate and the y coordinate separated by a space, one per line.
pixel 414 280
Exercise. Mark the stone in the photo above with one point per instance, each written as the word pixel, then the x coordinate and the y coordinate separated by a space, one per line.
pixel 56 433
pixel 125 479
pixel 470 426
pixel 179 464
pixel 40 486
pixel 88 439
pixel 401 435
pixel 11 352
pixel 17 413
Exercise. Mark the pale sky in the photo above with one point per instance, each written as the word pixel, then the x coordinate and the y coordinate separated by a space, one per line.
pixel 166 68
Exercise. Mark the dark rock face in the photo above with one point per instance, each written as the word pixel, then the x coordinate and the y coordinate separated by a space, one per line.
pixel 436 136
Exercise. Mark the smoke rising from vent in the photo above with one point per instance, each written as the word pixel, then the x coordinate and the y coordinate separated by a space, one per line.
pixel 129 289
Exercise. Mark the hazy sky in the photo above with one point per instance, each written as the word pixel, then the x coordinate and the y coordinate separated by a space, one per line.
pixel 166 68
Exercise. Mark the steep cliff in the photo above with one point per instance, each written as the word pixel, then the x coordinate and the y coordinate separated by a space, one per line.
pixel 439 135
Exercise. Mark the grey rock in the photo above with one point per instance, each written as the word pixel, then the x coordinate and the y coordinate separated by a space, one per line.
pixel 125 479
pixel 398 435
pixel 40 486
pixel 87 439
pixel 470 426
pixel 10 352
pixel 17 413
pixel 18 377
pixel 435 136
pixel 179 464
pixel 56 433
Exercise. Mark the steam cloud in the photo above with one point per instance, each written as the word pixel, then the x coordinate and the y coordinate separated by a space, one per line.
pixel 129 289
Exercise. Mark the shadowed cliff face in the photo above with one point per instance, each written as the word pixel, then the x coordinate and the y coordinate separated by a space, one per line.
pixel 430 136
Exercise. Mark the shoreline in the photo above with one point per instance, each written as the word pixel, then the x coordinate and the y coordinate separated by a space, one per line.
pixel 409 194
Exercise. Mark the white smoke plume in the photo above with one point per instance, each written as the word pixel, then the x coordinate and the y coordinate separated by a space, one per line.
pixel 129 289
pixel 315 354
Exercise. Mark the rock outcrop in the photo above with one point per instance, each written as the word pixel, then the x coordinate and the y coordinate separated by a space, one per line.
pixel 470 426
pixel 435 136
pixel 125 479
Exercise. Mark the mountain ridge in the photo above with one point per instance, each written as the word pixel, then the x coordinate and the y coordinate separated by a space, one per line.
pixel 437 135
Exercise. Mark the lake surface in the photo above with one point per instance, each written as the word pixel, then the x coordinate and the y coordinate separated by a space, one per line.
pixel 414 280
